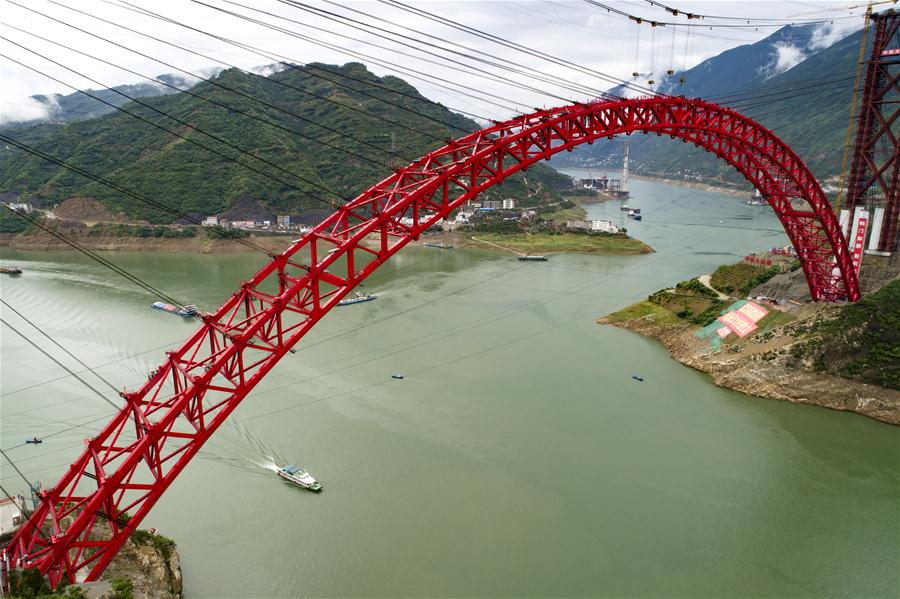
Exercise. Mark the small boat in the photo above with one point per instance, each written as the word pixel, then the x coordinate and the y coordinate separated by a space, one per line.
pixel 397 375
pixel 755 202
pixel 299 476
pixel 440 246
pixel 637 378
pixel 357 299
pixel 10 270
pixel 533 258
pixel 34 440
pixel 624 208
pixel 188 311
pixel 634 214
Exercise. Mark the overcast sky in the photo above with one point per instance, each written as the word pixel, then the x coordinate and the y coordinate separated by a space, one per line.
pixel 575 31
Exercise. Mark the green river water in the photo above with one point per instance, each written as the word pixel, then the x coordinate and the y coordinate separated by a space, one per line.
pixel 517 458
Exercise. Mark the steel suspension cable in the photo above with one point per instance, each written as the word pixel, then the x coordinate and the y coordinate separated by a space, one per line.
pixel 146 12
pixel 455 87
pixel 57 344
pixel 217 84
pixel 505 65
pixel 58 363
pixel 203 98
pixel 468 51
pixel 170 131
pixel 308 70
pixel 695 15
pixel 638 19
pixel 211 81
pixel 93 255
pixel 364 27
pixel 16 468
pixel 513 45
pixel 132 194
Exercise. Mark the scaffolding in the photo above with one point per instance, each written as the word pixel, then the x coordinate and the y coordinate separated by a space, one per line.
pixel 875 171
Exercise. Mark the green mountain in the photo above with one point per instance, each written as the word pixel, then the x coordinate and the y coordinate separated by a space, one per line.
pixel 67 108
pixel 806 105
pixel 389 121
pixel 743 67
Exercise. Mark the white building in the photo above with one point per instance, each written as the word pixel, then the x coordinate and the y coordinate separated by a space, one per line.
pixel 211 221
pixel 594 226
pixel 583 225
pixel 603 226
pixel 509 204
pixel 463 217
pixel 20 207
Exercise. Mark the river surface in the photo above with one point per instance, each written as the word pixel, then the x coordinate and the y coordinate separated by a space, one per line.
pixel 517 458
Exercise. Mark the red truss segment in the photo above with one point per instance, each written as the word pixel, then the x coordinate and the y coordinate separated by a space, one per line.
pixel 127 467
pixel 875 170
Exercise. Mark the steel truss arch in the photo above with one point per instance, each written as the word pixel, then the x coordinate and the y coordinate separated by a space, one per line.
pixel 104 495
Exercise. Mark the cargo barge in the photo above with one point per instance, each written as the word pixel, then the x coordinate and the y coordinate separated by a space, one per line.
pixel 188 311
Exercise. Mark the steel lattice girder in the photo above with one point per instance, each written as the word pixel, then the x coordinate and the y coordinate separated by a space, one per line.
pixel 876 126
pixel 127 467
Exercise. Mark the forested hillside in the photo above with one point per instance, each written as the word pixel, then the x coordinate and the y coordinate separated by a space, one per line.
pixel 321 134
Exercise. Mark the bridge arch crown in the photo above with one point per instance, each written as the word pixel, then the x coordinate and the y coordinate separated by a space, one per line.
pixel 128 465
pixel 759 155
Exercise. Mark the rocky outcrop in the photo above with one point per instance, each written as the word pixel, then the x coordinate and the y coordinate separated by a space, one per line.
pixel 146 567
pixel 767 368
pixel 151 562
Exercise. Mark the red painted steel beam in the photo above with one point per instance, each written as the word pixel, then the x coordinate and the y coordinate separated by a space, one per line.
pixel 875 169
pixel 106 492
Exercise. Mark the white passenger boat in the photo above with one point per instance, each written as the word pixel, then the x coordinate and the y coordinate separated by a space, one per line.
pixel 299 476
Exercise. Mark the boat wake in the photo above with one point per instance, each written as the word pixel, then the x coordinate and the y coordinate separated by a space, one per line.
pixel 238 448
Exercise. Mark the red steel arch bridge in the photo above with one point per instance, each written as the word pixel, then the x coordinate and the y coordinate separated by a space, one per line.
pixel 123 471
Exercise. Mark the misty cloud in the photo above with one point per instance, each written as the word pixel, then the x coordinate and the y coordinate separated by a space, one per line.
pixel 269 69
pixel 17 106
pixel 824 36
pixel 786 57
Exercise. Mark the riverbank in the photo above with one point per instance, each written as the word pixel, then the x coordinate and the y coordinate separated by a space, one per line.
pixel 784 359
pixel 200 244
pixel 517 243
pixel 723 189
pixel 542 243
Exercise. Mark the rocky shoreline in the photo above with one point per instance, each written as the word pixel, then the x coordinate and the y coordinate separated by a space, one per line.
pixel 147 566
pixel 763 368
